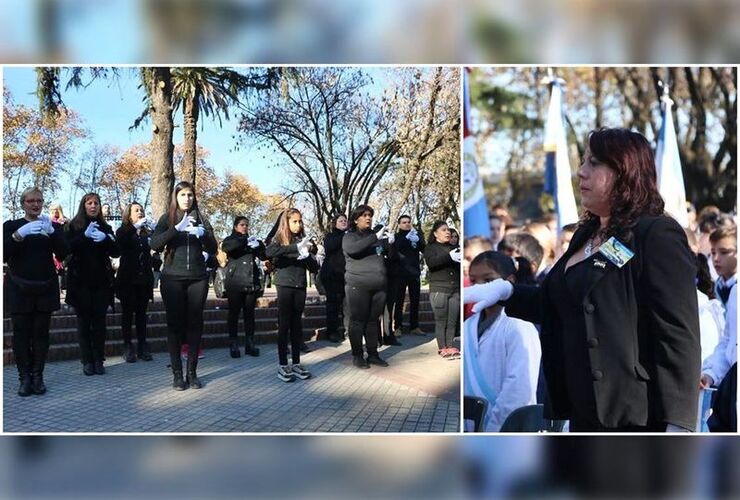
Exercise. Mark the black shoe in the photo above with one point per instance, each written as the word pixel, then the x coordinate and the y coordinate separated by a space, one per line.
pixel 143 352
pixel 374 359
pixel 26 388
pixel 359 362
pixel 390 340
pixel 37 384
pixel 249 348
pixel 305 348
pixel 128 353
pixel 192 379
pixel 177 382
pixel 88 369
pixel 234 351
pixel 99 368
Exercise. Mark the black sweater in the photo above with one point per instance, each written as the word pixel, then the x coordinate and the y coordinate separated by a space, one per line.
pixel 183 258
pixel 365 259
pixel 90 265
pixel 241 269
pixel 444 273
pixel 333 266
pixel 289 271
pixel 407 255
pixel 135 266
pixel 31 258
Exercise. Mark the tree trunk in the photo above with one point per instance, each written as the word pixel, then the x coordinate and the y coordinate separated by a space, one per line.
pixel 163 177
pixel 190 129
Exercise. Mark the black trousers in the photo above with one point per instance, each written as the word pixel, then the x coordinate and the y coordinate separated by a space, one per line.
pixel 134 301
pixel 183 302
pixel 334 305
pixel 414 287
pixel 365 308
pixel 291 302
pixel 31 341
pixel 92 305
pixel 238 302
pixel 446 308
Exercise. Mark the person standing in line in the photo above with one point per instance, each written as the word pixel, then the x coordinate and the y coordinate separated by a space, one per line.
pixel 291 252
pixel 184 234
pixel 332 276
pixel 242 283
pixel 134 279
pixel 90 279
pixel 57 216
pixel 30 245
pixel 443 261
pixel 408 248
pixel 365 283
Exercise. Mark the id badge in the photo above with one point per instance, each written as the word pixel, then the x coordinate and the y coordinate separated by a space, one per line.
pixel 617 253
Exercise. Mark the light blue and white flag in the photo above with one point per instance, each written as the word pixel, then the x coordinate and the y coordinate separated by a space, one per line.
pixel 668 165
pixel 475 215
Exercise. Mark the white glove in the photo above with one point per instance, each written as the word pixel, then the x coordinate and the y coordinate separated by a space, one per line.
pixel 150 223
pixel 28 228
pixel 413 236
pixel 391 238
pixel 97 235
pixel 302 253
pixel 91 228
pixel 139 223
pixel 48 227
pixel 205 256
pixel 196 231
pixel 382 233
pixel 185 222
pixel 487 294
pixel 253 242
pixel 456 255
pixel 305 243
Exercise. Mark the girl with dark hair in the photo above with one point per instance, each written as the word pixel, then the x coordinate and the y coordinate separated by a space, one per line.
pixel 134 279
pixel 185 235
pixel 291 253
pixel 32 289
pixel 443 261
pixel 332 276
pixel 242 283
pixel 365 283
pixel 90 279
pixel 620 327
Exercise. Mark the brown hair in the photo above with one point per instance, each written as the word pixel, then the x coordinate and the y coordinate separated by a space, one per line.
pixel 174 214
pixel 80 221
pixel 284 236
pixel 722 233
pixel 126 217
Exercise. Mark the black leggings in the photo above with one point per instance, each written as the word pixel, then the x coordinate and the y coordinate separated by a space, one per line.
pixel 446 308
pixel 134 300
pixel 291 302
pixel 334 305
pixel 183 302
pixel 239 301
pixel 31 340
pixel 365 308
pixel 91 308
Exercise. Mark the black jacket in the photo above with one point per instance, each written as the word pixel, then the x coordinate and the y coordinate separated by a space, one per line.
pixel 183 257
pixel 135 266
pixel 365 258
pixel 90 265
pixel 333 266
pixel 241 270
pixel 289 271
pixel 31 260
pixel 407 261
pixel 444 273
pixel 641 326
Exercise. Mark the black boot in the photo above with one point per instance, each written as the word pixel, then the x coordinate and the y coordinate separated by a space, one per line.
pixel 249 347
pixel 193 380
pixel 26 388
pixel 37 372
pixel 177 382
pixel 390 340
pixel 88 369
pixel 374 359
pixel 128 353
pixel 142 350
pixel 98 367
pixel 37 383
pixel 234 350
pixel 359 361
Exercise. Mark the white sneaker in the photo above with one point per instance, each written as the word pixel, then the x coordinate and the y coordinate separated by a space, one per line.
pixel 301 372
pixel 285 374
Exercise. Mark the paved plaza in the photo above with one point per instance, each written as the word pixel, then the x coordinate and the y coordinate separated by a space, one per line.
pixel 419 392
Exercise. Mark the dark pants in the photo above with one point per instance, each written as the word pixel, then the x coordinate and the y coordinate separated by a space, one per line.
pixel 238 302
pixel 365 308
pixel 446 308
pixel 414 286
pixel 334 306
pixel 134 301
pixel 724 404
pixel 31 341
pixel 183 302
pixel 291 302
pixel 92 304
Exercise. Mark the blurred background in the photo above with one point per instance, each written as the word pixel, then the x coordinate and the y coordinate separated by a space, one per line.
pixel 361 31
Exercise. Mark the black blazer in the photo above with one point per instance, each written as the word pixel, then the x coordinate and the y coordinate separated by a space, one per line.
pixel 641 328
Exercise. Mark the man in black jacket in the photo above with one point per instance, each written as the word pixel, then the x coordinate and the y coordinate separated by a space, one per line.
pixel 406 269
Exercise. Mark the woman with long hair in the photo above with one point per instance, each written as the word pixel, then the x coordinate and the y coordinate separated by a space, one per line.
pixel 29 247
pixel 184 234
pixel 90 279
pixel 242 283
pixel 332 276
pixel 291 253
pixel 57 216
pixel 134 279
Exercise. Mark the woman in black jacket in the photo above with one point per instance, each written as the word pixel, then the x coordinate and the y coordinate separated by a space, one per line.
pixel 332 276
pixel 134 279
pixel 365 252
pixel 242 283
pixel 29 247
pixel 619 315
pixel 184 234
pixel 90 279
pixel 291 252
pixel 443 261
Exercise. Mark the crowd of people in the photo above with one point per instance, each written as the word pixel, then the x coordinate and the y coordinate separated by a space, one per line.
pixel 364 270
pixel 620 322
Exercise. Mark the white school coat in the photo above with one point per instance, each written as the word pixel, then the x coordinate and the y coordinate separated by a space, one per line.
pixel 725 354
pixel 502 367
pixel 711 323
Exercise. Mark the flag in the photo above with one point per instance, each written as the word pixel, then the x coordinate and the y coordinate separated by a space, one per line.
pixel 475 215
pixel 668 166
pixel 558 177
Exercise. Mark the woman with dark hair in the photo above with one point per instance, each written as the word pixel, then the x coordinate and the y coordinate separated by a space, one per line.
pixel 90 279
pixel 29 247
pixel 454 238
pixel 620 328
pixel 242 283
pixel 365 283
pixel 291 253
pixel 332 276
pixel 184 234
pixel 134 279
pixel 443 261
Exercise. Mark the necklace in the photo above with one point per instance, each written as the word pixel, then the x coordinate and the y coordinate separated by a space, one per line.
pixel 589 248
